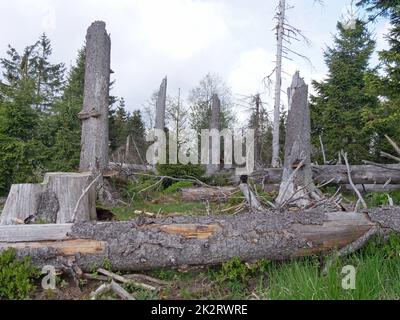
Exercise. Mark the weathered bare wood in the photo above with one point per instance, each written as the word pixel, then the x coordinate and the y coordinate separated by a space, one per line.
pixel 145 244
pixel 161 105
pixel 95 132
pixel 250 197
pixel 297 176
pixel 214 159
pixel 361 174
pixel 23 201
pixel 35 233
pixel 207 194
pixel 121 292
pixel 54 201
pixel 76 196
pixel 122 279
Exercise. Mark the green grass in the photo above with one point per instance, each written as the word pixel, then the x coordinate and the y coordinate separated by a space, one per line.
pixel 377 276
pixel 187 208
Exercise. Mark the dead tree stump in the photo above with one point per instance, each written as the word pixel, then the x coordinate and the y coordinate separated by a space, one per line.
pixel 56 200
pixel 94 116
pixel 297 184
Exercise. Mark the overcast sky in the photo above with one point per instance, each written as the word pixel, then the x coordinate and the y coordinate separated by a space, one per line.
pixel 184 39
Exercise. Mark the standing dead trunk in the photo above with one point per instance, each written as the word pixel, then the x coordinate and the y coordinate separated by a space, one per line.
pixel 278 84
pixel 214 146
pixel 297 183
pixel 94 116
pixel 161 105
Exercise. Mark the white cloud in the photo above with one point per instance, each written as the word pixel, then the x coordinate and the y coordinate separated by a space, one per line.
pixel 180 28
pixel 250 70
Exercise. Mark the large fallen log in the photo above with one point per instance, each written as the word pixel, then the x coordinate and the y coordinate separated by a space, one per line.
pixel 145 244
pixel 362 174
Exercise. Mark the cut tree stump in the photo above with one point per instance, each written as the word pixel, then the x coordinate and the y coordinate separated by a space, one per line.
pixel 53 201
pixel 145 244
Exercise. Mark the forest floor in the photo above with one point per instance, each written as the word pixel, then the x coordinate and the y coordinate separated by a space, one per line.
pixel 377 265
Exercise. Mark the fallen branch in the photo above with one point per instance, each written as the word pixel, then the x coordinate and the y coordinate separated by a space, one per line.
pixel 360 197
pixel 121 292
pixel 122 279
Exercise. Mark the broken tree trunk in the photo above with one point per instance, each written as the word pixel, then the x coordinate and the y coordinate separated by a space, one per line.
pixel 56 200
pixel 145 244
pixel 161 105
pixel 361 174
pixel 94 116
pixel 214 146
pixel 297 184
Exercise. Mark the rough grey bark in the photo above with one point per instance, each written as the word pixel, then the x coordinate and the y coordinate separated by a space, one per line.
pixel 53 201
pixel 297 175
pixel 367 174
pixel 161 105
pixel 215 123
pixel 145 244
pixel 94 116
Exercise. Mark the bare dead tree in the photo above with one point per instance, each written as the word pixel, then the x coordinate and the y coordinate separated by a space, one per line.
pixel 285 34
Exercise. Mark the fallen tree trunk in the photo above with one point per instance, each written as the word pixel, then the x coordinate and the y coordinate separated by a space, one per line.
pixel 364 174
pixel 146 244
pixel 202 194
pixel 347 187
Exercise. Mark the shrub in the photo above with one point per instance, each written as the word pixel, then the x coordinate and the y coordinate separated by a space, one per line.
pixel 17 276
pixel 179 171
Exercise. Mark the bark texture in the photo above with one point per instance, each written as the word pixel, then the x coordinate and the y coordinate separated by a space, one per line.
pixel 297 176
pixel 145 244
pixel 94 116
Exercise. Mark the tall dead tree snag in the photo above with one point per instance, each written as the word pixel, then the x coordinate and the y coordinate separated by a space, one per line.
pixel 161 105
pixel 297 182
pixel 280 33
pixel 94 116
pixel 214 144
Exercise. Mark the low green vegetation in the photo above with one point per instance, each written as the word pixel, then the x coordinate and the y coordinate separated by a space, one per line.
pixel 17 276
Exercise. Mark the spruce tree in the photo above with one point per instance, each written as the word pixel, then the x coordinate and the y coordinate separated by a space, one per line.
pixel 385 118
pixel 64 124
pixel 337 108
